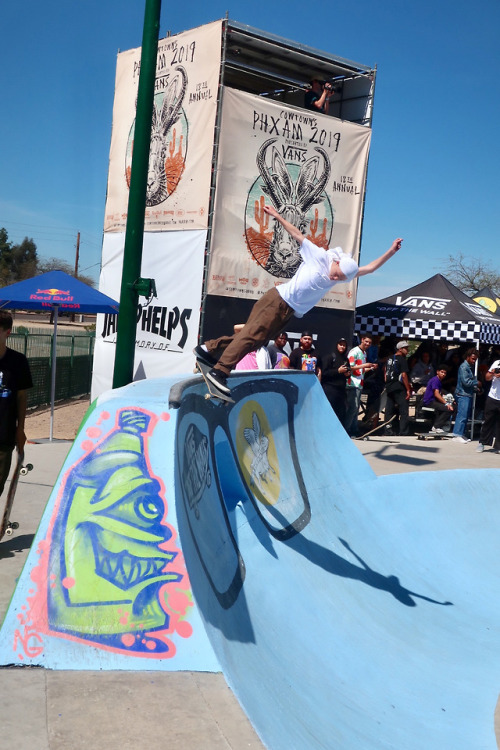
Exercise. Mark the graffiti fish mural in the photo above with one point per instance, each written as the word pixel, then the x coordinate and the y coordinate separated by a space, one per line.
pixel 113 573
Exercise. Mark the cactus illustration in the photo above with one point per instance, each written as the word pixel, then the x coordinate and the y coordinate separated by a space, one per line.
pixel 261 217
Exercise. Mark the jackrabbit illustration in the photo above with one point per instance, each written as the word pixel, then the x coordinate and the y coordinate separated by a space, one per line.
pixel 292 200
pixel 164 117
pixel 260 467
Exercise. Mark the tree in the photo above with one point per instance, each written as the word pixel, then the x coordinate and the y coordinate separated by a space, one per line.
pixel 17 262
pixel 24 260
pixel 56 264
pixel 20 262
pixel 470 274
pixel 5 257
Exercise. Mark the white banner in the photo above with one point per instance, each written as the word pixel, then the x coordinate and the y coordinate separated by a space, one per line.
pixel 167 327
pixel 311 167
pixel 182 132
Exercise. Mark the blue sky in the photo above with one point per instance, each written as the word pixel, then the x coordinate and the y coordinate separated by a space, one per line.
pixel 434 158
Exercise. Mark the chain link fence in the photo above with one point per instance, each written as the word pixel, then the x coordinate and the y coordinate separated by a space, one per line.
pixel 74 357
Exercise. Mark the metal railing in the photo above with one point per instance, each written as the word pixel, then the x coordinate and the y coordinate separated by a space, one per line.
pixel 75 354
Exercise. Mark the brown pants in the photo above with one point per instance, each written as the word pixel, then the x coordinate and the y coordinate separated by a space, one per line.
pixel 266 320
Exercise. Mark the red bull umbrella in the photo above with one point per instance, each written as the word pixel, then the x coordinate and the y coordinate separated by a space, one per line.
pixel 56 289
pixel 59 291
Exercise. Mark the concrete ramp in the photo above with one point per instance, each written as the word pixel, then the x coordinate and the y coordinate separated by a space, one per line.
pixel 346 611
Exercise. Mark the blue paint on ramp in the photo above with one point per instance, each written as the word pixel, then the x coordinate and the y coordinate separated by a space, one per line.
pixel 358 612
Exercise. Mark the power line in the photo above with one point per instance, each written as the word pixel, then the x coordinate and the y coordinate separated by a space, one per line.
pixel 47 232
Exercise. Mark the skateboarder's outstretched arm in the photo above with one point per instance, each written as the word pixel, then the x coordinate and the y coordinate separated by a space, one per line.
pixel 363 270
pixel 371 267
pixel 292 231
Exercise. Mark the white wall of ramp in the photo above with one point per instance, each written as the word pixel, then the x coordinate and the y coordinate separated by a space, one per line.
pixel 105 584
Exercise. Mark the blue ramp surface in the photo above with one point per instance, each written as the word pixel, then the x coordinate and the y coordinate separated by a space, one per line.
pixel 347 611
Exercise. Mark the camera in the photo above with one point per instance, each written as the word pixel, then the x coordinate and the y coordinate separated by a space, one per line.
pixel 329 85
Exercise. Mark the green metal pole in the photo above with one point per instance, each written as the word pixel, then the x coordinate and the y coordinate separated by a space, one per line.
pixel 132 255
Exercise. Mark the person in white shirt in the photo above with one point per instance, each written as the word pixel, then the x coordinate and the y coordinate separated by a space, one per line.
pixel 319 271
pixel 491 426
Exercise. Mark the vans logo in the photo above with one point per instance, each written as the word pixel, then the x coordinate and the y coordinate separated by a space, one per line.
pixel 480 311
pixel 423 303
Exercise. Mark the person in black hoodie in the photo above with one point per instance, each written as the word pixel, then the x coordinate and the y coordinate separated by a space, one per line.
pixel 334 376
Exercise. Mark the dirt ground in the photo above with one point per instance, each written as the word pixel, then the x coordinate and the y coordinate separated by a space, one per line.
pixel 68 416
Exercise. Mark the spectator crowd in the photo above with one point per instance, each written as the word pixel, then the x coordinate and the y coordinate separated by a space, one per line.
pixel 374 383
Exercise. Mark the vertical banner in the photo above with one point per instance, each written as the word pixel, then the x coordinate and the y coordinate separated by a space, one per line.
pixel 167 326
pixel 187 79
pixel 310 167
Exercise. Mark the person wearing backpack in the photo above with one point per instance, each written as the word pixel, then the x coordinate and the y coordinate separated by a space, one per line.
pixel 398 390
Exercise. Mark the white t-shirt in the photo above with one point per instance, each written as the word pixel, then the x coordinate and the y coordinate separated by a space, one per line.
pixel 311 280
pixel 494 391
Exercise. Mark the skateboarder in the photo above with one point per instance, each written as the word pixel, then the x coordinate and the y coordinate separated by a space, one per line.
pixel 15 379
pixel 316 275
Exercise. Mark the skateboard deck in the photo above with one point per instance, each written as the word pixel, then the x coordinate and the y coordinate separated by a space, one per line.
pixel 434 435
pixel 213 392
pixel 8 526
pixel 375 429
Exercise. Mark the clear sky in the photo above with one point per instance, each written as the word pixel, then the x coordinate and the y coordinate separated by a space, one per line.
pixel 434 162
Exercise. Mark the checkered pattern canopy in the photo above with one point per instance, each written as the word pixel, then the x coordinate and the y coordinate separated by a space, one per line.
pixel 435 309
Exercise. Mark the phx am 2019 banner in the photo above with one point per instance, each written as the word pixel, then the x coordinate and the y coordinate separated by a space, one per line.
pixel 310 167
pixel 182 132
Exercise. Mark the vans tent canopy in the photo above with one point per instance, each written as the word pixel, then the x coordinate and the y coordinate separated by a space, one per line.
pixel 434 309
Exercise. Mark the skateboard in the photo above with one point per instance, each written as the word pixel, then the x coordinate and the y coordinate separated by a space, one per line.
pixel 434 435
pixel 378 427
pixel 8 526
pixel 213 392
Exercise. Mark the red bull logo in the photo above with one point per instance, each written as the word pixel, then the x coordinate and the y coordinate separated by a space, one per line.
pixel 53 296
pixel 52 292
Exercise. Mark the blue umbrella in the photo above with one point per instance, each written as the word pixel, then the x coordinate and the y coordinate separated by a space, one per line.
pixel 55 290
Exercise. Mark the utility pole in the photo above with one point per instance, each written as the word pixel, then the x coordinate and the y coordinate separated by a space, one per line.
pixel 132 284
pixel 77 258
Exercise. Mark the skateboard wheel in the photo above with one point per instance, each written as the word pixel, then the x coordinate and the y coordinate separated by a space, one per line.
pixel 14 526
pixel 207 396
pixel 29 467
pixel 8 532
pixel 24 471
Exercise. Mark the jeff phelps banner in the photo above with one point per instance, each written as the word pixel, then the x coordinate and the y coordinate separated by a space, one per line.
pixel 187 77
pixel 167 325
pixel 311 168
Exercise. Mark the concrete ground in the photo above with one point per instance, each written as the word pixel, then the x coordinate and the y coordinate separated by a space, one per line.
pixel 46 710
